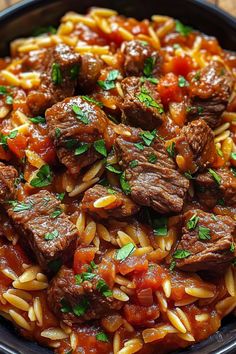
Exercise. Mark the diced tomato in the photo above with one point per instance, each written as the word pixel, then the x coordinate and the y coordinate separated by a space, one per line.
pixel 4 154
pixel 182 65
pixel 139 315
pixel 18 145
pixel 219 162
pixel 87 341
pixel 83 256
pixel 131 264
pixel 44 147
pixel 169 90
pixel 152 278
pixel 107 271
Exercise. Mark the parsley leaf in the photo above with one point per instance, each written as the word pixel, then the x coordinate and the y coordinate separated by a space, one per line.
pixel 109 83
pixel 232 247
pixel 41 30
pixel 171 149
pixel 81 149
pixel 133 164
pixel 172 265
pixel 92 100
pixel 144 97
pixel 180 254
pixel 182 29
pixel 160 226
pixel 192 222
pixel 103 288
pixel 43 178
pixel 81 308
pixel 57 133
pixel 20 206
pixel 149 66
pixel 233 155
pixel 215 176
pixel 100 147
pixel 9 99
pixel 38 120
pixel 60 196
pixel 182 82
pixel 51 235
pixel 125 186
pixel 113 169
pixel 139 146
pixel 188 175
pixel 56 74
pixel 152 158
pixel 56 213
pixel 148 137
pixel 80 114
pixel 86 276
pixel 3 90
pixel 125 251
pixel 102 337
pixel 204 233
pixel 153 80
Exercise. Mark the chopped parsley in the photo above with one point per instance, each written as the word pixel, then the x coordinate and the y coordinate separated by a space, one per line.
pixel 182 82
pixel 51 235
pixel 204 233
pixel 125 251
pixel 188 175
pixel 60 196
pixel 171 149
pixel 43 177
pixel 180 254
pixel 133 163
pixel 81 149
pixel 182 29
pixel 232 247
pixel 41 30
pixel 192 222
pixel 109 83
pixel 172 265
pixel 197 76
pixel 103 288
pixel 3 90
pixel 102 337
pixel 56 74
pixel 91 267
pixel 139 146
pixel 74 71
pixel 148 137
pixel 233 155
pixel 200 109
pixel 152 158
pixel 9 99
pixel 20 206
pixel 214 217
pixel 219 151
pixel 38 120
pixel 57 133
pixel 92 100
pixel 215 176
pixel 56 213
pixel 113 169
pixel 80 114
pixel 81 308
pixel 4 138
pixel 111 191
pixel 160 226
pixel 80 278
pixel 153 80
pixel 146 98
pixel 100 147
pixel 149 66
pixel 125 186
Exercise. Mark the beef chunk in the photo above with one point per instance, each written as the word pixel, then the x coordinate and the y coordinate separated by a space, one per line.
pixel 212 192
pixel 208 241
pixel 137 55
pixel 209 91
pixel 79 303
pixel 196 144
pixel 45 228
pixel 89 73
pixel 121 207
pixel 151 173
pixel 70 131
pixel 8 176
pixel 142 105
pixel 59 75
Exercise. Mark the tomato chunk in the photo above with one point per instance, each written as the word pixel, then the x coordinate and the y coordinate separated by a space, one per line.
pixel 82 257
pixel 131 264
pixel 151 278
pixel 139 315
pixel 182 65
pixel 169 90
pixel 18 145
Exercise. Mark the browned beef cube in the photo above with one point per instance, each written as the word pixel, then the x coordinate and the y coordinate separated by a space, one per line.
pixel 8 175
pixel 209 91
pixel 121 207
pixel 137 55
pixel 45 229
pixel 151 173
pixel 89 72
pixel 70 131
pixel 207 242
pixel 142 105
pixel 196 145
pixel 59 75
pixel 79 303
pixel 216 187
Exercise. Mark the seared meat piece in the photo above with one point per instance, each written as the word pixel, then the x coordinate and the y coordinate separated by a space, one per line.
pixel 79 303
pixel 137 55
pixel 70 131
pixel 211 192
pixel 8 176
pixel 89 73
pixel 207 242
pixel 196 144
pixel 151 173
pixel 121 207
pixel 59 75
pixel 45 229
pixel 209 91
pixel 142 105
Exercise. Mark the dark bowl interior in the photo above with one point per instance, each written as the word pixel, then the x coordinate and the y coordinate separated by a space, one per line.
pixel 23 18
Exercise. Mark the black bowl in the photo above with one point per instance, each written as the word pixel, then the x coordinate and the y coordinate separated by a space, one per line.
pixel 23 18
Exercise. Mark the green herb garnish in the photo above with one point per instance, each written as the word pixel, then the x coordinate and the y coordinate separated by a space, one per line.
pixel 125 251
pixel 204 233
pixel 43 177
pixel 56 74
pixel 192 222
pixel 103 288
pixel 56 213
pixel 133 163
pixel 148 137
pixel 113 169
pixel 100 147
pixel 109 83
pixel 160 226
pixel 80 114
pixel 81 149
pixel 152 158
pixel 182 29
pixel 51 235
pixel 215 176
pixel 180 254
pixel 125 186
pixel 182 82
pixel 92 100
pixel 102 337
pixel 149 66
pixel 38 120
